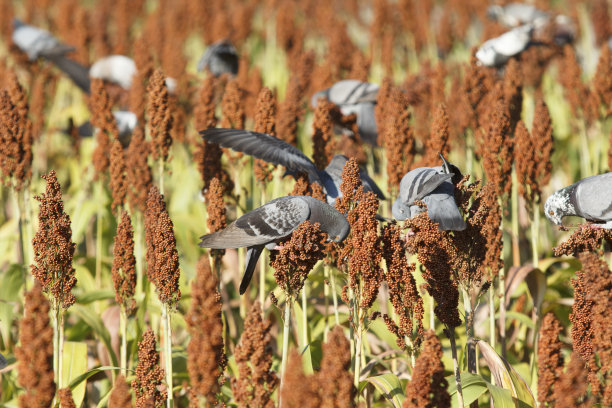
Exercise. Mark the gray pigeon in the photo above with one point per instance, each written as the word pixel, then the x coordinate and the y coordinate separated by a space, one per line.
pixel 126 123
pixel 589 198
pixel 39 43
pixel 273 222
pixel 497 51
pixel 356 97
pixel 277 151
pixel 220 58
pixel 434 187
pixel 516 14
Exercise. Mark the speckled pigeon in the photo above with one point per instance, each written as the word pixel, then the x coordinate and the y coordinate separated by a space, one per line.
pixel 356 97
pixel 589 198
pixel 273 222
pixel 277 151
pixel 433 186
pixel 220 58
pixel 497 51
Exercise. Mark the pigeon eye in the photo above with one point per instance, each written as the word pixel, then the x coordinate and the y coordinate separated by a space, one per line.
pixel 551 212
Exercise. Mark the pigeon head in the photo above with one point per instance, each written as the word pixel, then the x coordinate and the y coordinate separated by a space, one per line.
pixel 494 11
pixel 557 206
pixel 340 233
pixel 486 55
pixel 400 211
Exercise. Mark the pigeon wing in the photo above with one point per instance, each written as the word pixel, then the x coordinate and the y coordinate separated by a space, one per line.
pixel 592 197
pixel 417 183
pixel 442 208
pixel 263 146
pixel 268 223
pixel 351 92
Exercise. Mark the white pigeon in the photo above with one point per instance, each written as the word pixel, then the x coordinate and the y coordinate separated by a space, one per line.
pixel 498 50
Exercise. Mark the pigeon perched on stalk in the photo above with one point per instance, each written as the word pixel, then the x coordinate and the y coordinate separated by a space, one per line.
pixel 356 97
pixel 497 51
pixel 220 58
pixel 589 198
pixel 434 187
pixel 39 43
pixel 118 69
pixel 271 223
pixel 277 151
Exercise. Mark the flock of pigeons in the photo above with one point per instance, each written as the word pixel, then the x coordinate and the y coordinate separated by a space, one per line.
pixel 273 222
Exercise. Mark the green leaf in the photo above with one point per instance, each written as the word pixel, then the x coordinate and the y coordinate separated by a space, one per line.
pixel 502 398
pixel 472 386
pixel 85 376
pixel 74 364
pixel 506 376
pixel 93 296
pixel 389 386
pixel 94 321
pixel 10 290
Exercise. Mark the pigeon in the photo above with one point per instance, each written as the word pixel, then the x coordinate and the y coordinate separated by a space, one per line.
pixel 3 362
pixel 271 223
pixel 434 187
pixel 273 150
pixel 220 58
pixel 356 97
pixel 39 43
pixel 497 51
pixel 589 198
pixel 516 14
pixel 126 123
pixel 118 69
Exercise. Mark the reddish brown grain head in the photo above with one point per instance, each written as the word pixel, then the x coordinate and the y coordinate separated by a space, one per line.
pixel 322 126
pixel 102 119
pixel 550 359
pixel 53 246
pixel 217 219
pixel 206 355
pixel 160 117
pixel 149 381
pixel 437 142
pixel 265 122
pixel 255 382
pixel 139 178
pixel 428 387
pixel 437 254
pixel 144 65
pixel 35 353
pixel 15 135
pixel 601 92
pixel 297 257
pixel 403 293
pixel 124 264
pixel 399 138
pixel 231 106
pixel 602 23
pixel 351 180
pixel 162 256
pixel 571 389
pixel 335 379
pixel 299 390
pixel 586 238
pixel 290 112
pixel 65 398
pixel 118 175
pixel 120 396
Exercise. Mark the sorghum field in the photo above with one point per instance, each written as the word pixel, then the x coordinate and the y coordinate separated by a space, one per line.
pixel 106 299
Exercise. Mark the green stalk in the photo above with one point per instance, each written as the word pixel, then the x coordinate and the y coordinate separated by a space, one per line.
pixel 167 351
pixel 358 347
pixel 451 336
pixel 502 302
pixel 334 294
pixel 19 206
pixel 326 297
pixel 161 175
pixel 516 254
pixel 585 154
pixel 492 339
pixel 56 354
pixel 469 151
pixel 99 225
pixel 286 329
pixel 123 330
pixel 138 246
pixel 469 329
pixel 535 229
pixel 304 316
pixel 432 322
